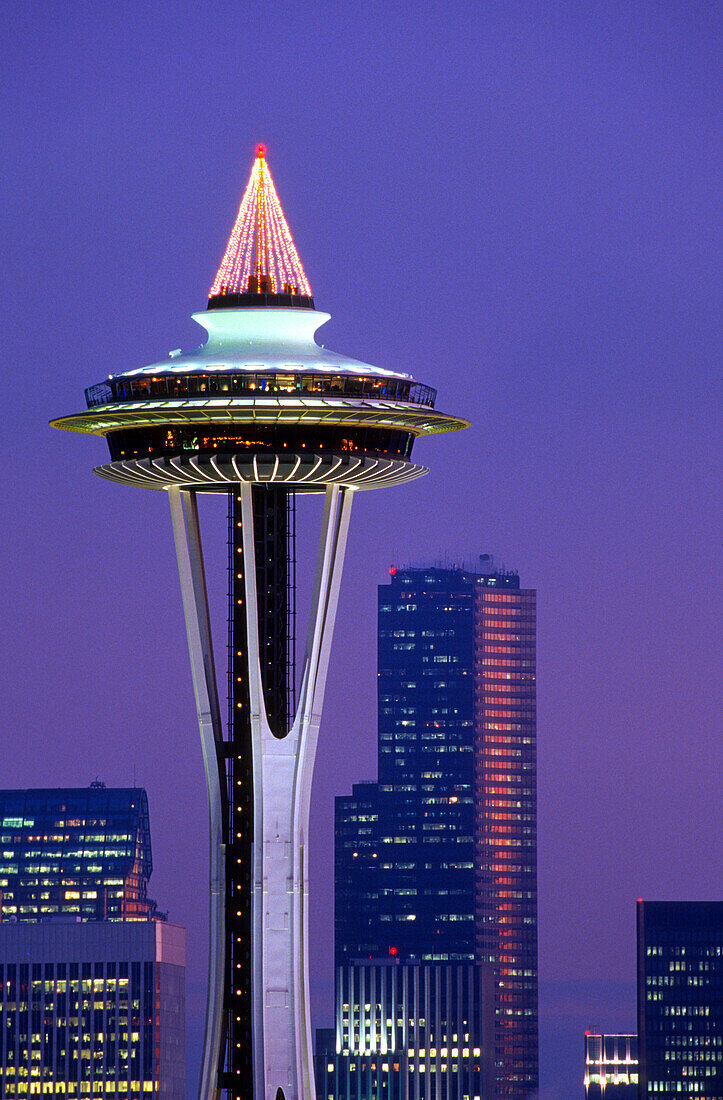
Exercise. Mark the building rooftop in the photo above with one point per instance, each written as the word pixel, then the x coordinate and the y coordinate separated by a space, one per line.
pixel 481 568
pixel 79 853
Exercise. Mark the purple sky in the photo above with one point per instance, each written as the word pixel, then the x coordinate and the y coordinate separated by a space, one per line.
pixel 515 202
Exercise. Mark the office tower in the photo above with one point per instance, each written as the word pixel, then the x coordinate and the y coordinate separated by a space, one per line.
pixel 80 852
pixel 506 826
pixel 92 1009
pixel 261 413
pixel 680 998
pixel 437 861
pixel 92 994
pixel 611 1067
pixel 409 1029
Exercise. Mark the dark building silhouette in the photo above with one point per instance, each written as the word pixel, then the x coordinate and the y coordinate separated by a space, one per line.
pixel 680 998
pixel 92 978
pixel 611 1067
pixel 437 860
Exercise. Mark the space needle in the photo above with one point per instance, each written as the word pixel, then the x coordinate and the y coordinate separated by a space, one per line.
pixel 261 413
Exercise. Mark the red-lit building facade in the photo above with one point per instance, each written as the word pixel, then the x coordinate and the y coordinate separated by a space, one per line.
pixel 506 821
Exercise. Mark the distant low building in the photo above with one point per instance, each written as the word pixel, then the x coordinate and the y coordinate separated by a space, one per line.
pixel 611 1066
pixel 409 1031
pixel 680 998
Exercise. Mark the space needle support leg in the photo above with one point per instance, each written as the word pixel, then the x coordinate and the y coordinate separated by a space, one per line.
pixel 283 768
pixel 187 537
pixel 329 566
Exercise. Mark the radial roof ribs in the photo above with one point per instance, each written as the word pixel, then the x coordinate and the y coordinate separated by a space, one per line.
pixel 260 265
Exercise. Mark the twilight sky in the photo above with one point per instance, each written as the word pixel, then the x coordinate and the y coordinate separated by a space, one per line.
pixel 515 202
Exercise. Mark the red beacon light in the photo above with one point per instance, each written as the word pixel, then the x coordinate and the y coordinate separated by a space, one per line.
pixel 392 570
pixel 261 150
pixel 393 950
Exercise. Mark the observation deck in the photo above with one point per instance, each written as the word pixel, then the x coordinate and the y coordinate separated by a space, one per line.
pixel 261 401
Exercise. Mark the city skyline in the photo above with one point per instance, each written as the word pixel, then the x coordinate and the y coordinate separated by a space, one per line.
pixel 580 338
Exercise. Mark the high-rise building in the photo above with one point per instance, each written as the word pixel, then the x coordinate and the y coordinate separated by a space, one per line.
pixel 437 860
pixel 611 1066
pixel 261 413
pixel 92 1009
pixel 407 1030
pixel 82 852
pixel 680 998
pixel 92 994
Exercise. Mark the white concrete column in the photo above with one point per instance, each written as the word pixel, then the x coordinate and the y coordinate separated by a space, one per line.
pixel 187 536
pixel 283 769
pixel 329 566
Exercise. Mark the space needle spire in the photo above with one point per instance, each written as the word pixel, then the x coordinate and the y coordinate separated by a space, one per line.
pixel 264 415
pixel 260 256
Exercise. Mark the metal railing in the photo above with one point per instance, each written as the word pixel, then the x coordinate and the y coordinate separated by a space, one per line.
pixel 248 384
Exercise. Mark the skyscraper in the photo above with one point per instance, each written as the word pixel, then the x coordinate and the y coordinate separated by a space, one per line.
pixel 262 413
pixel 437 861
pixel 680 998
pixel 82 852
pixel 91 975
pixel 506 823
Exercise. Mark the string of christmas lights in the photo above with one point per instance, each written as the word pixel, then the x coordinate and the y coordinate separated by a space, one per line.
pixel 260 247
